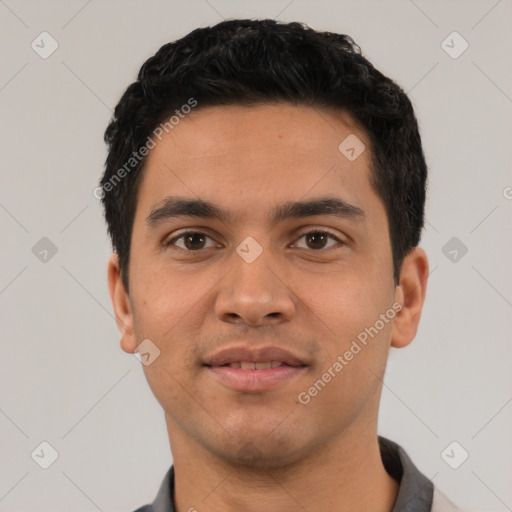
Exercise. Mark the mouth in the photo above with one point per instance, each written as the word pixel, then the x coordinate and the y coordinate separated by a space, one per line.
pixel 254 370
pixel 248 365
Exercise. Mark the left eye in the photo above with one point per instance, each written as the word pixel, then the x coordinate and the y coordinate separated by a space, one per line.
pixel 318 239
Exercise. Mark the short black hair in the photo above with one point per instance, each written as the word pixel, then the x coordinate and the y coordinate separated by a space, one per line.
pixel 250 62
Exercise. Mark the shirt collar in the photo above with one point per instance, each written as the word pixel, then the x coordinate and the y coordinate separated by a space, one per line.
pixel 414 495
pixel 416 491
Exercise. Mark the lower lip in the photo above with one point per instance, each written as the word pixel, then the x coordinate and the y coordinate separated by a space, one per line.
pixel 254 380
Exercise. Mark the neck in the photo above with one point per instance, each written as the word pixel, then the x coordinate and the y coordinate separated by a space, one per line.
pixel 347 474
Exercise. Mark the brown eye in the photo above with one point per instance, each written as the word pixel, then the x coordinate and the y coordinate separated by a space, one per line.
pixel 191 241
pixel 317 240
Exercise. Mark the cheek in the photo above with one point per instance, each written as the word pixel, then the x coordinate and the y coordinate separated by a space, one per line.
pixel 343 305
pixel 347 319
pixel 161 300
pixel 349 377
pixel 168 319
pixel 164 318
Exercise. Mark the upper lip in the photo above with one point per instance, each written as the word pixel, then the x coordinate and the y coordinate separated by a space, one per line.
pixel 253 355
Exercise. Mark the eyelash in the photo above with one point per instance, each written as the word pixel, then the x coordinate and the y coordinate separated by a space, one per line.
pixel 301 234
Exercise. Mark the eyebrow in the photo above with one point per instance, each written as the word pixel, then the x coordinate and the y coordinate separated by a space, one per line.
pixel 173 207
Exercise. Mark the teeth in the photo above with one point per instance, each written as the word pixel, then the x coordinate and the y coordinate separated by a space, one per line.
pixel 247 365
pixel 263 366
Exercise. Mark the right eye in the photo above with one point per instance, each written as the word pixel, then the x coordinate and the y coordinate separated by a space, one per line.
pixel 193 241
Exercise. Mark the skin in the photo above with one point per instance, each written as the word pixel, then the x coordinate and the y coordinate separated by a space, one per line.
pixel 267 451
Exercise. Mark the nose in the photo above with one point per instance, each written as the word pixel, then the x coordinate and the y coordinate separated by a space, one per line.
pixel 255 294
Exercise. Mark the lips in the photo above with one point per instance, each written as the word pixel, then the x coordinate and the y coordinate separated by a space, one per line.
pixel 254 356
pixel 253 370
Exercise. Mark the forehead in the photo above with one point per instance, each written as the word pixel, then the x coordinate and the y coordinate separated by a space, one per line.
pixel 221 129
pixel 253 157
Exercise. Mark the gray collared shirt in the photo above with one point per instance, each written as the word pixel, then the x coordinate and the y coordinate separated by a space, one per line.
pixel 415 494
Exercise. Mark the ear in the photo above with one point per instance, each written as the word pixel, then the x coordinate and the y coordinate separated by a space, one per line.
pixel 122 306
pixel 410 293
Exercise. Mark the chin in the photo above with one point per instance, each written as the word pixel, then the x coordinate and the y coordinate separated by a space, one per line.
pixel 252 457
pixel 261 451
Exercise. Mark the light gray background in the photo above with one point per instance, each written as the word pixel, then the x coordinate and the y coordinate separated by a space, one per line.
pixel 64 378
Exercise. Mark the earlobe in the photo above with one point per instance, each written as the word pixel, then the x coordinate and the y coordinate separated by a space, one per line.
pixel 410 293
pixel 122 306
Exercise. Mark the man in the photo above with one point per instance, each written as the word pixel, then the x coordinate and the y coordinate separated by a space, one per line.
pixel 264 191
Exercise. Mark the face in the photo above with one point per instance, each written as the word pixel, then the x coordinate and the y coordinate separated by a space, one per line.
pixel 259 297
